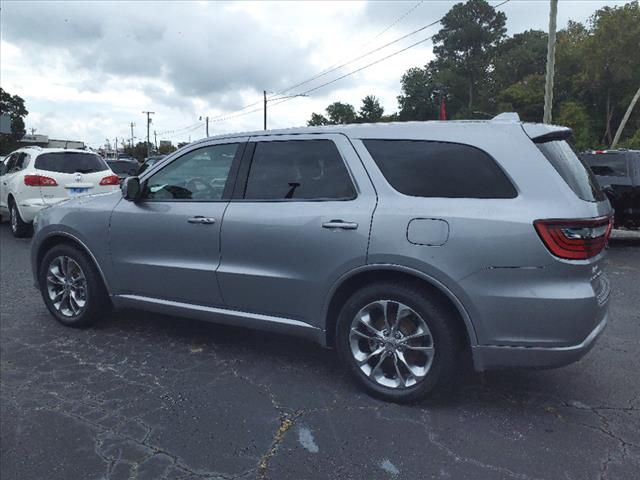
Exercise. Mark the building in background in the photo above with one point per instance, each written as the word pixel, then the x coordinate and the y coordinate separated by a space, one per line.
pixel 46 142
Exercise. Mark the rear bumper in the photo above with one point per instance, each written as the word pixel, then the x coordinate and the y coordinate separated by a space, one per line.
pixel 486 357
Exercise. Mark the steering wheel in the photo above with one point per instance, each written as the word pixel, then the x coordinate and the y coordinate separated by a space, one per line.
pixel 198 186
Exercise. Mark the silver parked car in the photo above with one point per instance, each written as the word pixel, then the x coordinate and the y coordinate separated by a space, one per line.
pixel 401 245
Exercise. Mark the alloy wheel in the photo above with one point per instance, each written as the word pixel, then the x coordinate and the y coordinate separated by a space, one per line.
pixel 391 344
pixel 67 286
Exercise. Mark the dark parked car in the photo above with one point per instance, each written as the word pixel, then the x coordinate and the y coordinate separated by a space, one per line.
pixel 124 168
pixel 618 173
pixel 150 162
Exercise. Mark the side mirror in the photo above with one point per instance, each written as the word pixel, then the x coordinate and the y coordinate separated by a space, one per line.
pixel 131 189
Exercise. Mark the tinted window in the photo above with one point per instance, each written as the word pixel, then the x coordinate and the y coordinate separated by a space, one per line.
pixel 436 169
pixel 123 168
pixel 607 164
pixel 70 162
pixel 198 175
pixel 298 170
pixel 574 172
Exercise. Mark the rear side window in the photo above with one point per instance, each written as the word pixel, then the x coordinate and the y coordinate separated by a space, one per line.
pixel 574 172
pixel 436 169
pixel 128 168
pixel 298 170
pixel 607 164
pixel 70 162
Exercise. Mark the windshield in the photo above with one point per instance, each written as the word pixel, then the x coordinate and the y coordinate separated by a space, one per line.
pixel 70 162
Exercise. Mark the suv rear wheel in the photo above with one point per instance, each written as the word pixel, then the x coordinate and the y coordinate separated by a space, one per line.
pixel 19 227
pixel 72 288
pixel 397 341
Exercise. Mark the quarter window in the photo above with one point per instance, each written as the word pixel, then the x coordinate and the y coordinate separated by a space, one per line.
pixel 437 169
pixel 298 170
pixel 198 175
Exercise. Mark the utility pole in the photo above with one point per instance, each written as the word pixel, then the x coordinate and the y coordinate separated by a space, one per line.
pixel 627 114
pixel 264 92
pixel 148 124
pixel 155 139
pixel 207 128
pixel 132 137
pixel 33 131
pixel 551 61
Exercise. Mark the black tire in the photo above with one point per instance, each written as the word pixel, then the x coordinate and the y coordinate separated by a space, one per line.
pixel 447 340
pixel 97 303
pixel 19 227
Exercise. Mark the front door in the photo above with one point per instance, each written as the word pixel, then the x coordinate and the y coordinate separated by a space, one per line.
pixel 166 246
pixel 302 221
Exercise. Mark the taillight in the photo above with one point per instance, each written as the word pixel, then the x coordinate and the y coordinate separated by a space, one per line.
pixel 39 181
pixel 110 180
pixel 575 239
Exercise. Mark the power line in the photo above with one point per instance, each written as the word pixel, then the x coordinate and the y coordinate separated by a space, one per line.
pixel 335 67
pixel 372 63
pixel 278 98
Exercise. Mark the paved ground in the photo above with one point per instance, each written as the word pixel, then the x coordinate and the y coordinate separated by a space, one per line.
pixel 150 397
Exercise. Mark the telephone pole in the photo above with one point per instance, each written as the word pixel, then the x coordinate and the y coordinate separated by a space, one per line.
pixel 551 62
pixel 207 128
pixel 148 124
pixel 132 137
pixel 264 92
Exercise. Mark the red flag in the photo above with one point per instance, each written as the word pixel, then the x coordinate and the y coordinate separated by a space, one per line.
pixel 443 109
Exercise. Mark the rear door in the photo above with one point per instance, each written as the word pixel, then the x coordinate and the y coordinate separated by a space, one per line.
pixel 75 173
pixel 167 245
pixel 299 219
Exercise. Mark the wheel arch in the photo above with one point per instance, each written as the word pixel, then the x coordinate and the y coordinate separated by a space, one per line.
pixel 64 238
pixel 349 284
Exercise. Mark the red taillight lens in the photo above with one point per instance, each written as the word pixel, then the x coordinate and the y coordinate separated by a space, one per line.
pixel 110 180
pixel 39 181
pixel 575 239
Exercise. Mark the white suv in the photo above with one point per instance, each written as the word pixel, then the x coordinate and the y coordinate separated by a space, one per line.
pixel 33 178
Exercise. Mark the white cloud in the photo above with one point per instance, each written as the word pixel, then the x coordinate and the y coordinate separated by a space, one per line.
pixel 87 69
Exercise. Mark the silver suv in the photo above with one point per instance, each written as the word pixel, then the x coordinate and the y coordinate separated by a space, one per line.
pixel 401 245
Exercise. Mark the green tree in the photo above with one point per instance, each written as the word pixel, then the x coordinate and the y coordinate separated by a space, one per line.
pixel 12 105
pixel 165 149
pixel 613 63
pixel 341 113
pixel 466 46
pixel 419 99
pixel 317 119
pixel 371 110
pixel 575 115
pixel 525 97
pixel 139 151
pixel 517 57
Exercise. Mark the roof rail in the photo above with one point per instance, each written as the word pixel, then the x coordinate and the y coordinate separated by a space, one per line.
pixel 506 117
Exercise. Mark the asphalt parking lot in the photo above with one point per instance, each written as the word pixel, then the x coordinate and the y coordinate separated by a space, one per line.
pixel 152 397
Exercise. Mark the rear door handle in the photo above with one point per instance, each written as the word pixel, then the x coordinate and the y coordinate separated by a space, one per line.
pixel 202 220
pixel 340 224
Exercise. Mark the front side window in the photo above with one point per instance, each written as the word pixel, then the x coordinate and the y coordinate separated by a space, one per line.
pixel 70 162
pixel 298 170
pixel 199 175
pixel 422 168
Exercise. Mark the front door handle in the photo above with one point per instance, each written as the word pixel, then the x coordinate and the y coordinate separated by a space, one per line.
pixel 202 220
pixel 340 224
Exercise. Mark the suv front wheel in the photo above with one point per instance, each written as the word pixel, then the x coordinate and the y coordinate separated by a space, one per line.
pixel 72 288
pixel 397 341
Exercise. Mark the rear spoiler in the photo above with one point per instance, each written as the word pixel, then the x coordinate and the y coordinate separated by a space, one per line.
pixel 542 132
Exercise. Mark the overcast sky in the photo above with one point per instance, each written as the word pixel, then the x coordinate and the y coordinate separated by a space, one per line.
pixel 88 69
